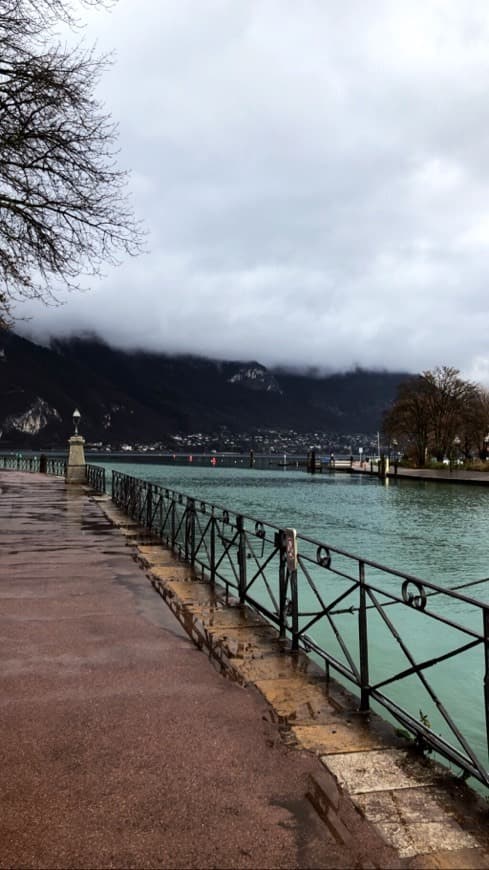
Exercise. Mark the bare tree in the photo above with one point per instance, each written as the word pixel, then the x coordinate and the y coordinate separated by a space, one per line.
pixel 64 209
pixel 450 402
pixel 408 419
pixel 474 433
pixel 433 408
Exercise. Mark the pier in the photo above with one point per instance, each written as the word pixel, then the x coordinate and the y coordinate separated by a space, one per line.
pixel 123 745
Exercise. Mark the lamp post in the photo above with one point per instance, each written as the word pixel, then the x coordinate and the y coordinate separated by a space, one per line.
pixel 454 451
pixel 486 447
pixel 396 454
pixel 76 470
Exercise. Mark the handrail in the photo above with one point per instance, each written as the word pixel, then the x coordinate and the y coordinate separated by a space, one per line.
pixel 47 464
pixel 96 477
pixel 52 465
pixel 367 622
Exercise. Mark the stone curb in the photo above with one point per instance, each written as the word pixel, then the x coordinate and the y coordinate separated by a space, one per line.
pixel 424 815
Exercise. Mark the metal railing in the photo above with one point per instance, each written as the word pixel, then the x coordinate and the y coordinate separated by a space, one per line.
pixel 372 625
pixel 54 465
pixel 19 462
pixel 96 477
pixel 49 464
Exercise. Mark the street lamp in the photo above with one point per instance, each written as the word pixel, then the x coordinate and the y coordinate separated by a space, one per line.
pixel 76 469
pixel 76 419
pixel 456 445
pixel 396 454
pixel 486 446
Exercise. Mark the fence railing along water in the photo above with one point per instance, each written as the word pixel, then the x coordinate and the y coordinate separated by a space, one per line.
pixel 96 477
pixel 365 621
pixel 52 465
pixel 48 464
pixel 368 623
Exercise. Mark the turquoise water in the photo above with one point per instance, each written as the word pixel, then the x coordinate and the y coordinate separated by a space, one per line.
pixel 436 532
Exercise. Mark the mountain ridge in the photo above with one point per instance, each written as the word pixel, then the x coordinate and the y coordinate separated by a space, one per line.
pixel 143 396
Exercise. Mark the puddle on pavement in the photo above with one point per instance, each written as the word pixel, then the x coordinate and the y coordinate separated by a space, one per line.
pixel 149 606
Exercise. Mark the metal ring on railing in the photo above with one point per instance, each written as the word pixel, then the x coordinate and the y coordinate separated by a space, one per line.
pixel 259 529
pixel 416 601
pixel 225 516
pixel 323 557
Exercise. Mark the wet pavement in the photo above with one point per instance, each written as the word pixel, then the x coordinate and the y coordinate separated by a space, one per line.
pixel 122 745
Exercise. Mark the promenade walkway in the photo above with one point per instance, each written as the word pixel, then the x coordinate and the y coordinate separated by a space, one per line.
pixel 121 745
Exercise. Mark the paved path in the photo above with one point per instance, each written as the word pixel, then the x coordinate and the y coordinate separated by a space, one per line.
pixel 121 746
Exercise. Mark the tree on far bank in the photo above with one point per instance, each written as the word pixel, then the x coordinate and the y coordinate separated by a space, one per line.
pixel 407 420
pixel 435 408
pixel 64 209
pixel 475 430
pixel 450 402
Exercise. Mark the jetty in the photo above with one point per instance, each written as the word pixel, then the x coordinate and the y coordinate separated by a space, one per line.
pixel 183 732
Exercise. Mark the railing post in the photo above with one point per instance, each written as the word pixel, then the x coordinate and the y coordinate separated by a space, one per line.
pixel 149 507
pixel 173 520
pixel 241 558
pixel 294 604
pixel 363 642
pixel 212 548
pixel 190 531
pixel 141 487
pixel 288 545
pixel 486 672
pixel 282 585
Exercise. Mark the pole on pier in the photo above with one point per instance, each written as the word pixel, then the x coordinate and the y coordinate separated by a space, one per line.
pixel 76 469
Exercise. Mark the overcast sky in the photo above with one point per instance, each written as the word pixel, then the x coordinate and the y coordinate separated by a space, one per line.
pixel 314 178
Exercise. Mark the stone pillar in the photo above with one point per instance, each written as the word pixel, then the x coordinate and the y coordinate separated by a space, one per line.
pixel 76 470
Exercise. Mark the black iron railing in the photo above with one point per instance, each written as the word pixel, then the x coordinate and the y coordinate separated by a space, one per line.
pixel 96 477
pixel 373 625
pixel 56 466
pixel 48 464
pixel 52 465
pixel 19 462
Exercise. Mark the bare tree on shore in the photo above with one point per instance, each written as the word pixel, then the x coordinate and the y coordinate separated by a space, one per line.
pixel 64 209
pixel 435 409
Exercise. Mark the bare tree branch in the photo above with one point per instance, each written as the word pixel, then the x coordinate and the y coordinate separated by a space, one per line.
pixel 64 209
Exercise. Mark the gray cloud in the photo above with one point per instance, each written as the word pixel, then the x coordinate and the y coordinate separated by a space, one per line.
pixel 314 178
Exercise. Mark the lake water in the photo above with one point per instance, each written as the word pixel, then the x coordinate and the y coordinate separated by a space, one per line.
pixel 437 532
pixel 434 531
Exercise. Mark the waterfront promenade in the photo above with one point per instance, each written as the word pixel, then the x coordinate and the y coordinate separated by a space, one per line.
pixel 123 746
pixel 435 475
